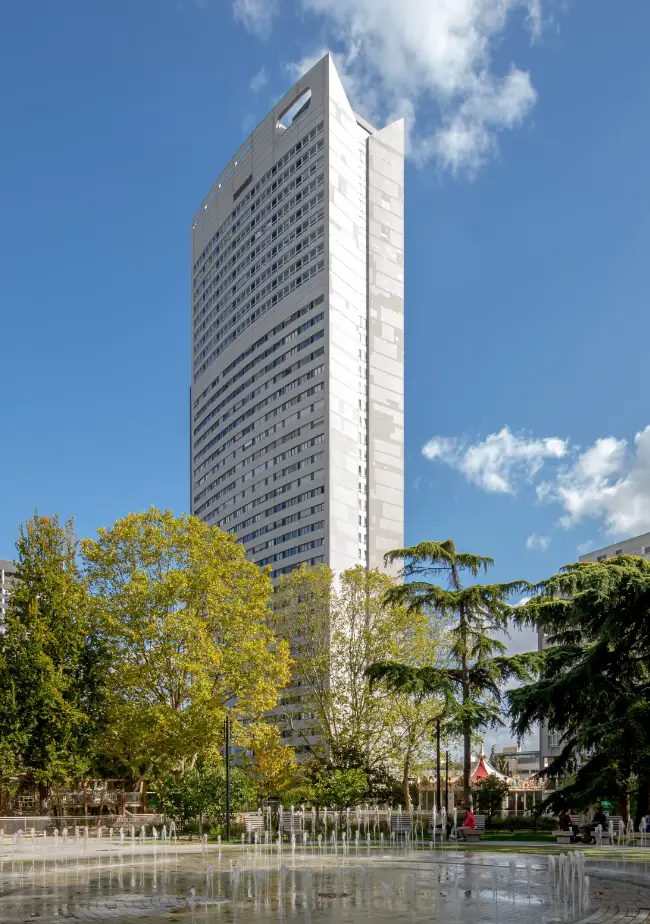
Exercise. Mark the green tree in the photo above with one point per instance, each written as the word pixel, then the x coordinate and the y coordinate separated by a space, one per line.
pixel 53 660
pixel 594 682
pixel 201 793
pixel 490 794
pixel 336 630
pixel 471 681
pixel 340 788
pixel 186 616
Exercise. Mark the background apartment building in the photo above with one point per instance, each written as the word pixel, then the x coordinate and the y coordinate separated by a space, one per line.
pixel 7 574
pixel 297 397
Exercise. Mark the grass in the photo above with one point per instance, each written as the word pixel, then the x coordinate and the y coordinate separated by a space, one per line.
pixel 518 836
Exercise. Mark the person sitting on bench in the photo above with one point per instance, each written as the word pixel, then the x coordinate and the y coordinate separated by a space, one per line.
pixel 469 824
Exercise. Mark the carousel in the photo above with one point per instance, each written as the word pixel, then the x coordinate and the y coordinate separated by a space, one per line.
pixel 523 795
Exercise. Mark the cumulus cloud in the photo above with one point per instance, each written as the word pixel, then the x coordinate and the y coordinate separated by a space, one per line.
pixel 430 61
pixel 499 462
pixel 584 547
pixel 259 80
pixel 537 543
pixel 608 481
pixel 256 15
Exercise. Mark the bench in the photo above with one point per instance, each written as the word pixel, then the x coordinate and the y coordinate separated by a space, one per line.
pixel 617 820
pixel 473 835
pixel 400 824
pixel 568 837
pixel 253 823
pixel 292 824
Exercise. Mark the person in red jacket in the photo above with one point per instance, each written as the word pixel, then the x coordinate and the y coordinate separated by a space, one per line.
pixel 468 824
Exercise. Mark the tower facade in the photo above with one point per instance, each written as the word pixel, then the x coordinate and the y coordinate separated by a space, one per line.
pixel 297 393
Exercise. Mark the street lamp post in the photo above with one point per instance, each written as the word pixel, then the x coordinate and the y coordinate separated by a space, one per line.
pixel 227 751
pixel 447 780
pixel 438 783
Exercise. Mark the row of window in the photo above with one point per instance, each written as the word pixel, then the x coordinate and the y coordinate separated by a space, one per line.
pixel 229 312
pixel 278 476
pixel 317 560
pixel 251 412
pixel 264 386
pixel 277 524
pixel 256 274
pixel 258 453
pixel 223 306
pixel 298 146
pixel 264 466
pixel 276 492
pixel 308 215
pixel 271 511
pixel 289 553
pixel 285 537
pixel 284 234
pixel 225 270
pixel 262 309
pixel 259 437
pixel 295 315
pixel 269 367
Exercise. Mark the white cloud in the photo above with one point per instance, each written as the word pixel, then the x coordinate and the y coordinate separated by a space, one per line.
pixel 609 482
pixel 256 15
pixel 500 461
pixel 535 542
pixel 584 547
pixel 259 80
pixel 431 59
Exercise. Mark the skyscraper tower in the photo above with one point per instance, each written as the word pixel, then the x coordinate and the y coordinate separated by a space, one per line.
pixel 297 394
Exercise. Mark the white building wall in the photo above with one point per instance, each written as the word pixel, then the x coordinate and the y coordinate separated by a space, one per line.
pixel 347 389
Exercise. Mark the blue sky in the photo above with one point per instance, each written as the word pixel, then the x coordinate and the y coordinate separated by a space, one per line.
pixel 528 233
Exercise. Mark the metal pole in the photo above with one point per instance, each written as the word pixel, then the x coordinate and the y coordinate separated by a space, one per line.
pixel 227 730
pixel 447 780
pixel 438 781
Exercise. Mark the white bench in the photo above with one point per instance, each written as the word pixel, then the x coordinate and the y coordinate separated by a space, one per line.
pixel 473 835
pixel 253 822
pixel 292 824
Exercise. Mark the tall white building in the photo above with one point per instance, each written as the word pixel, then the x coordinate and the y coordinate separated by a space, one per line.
pixel 297 397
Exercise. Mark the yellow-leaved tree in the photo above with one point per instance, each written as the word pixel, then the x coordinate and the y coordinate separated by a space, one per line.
pixel 186 618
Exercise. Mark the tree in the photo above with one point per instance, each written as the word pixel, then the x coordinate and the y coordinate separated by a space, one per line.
pixel 53 661
pixel 336 630
pixel 490 794
pixel 594 683
pixel 273 764
pixel 471 685
pixel 186 616
pixel 340 788
pixel 201 792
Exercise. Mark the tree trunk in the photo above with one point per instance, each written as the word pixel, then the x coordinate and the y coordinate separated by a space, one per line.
pixel 642 802
pixel 405 781
pixel 467 731
pixel 624 806
pixel 42 796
